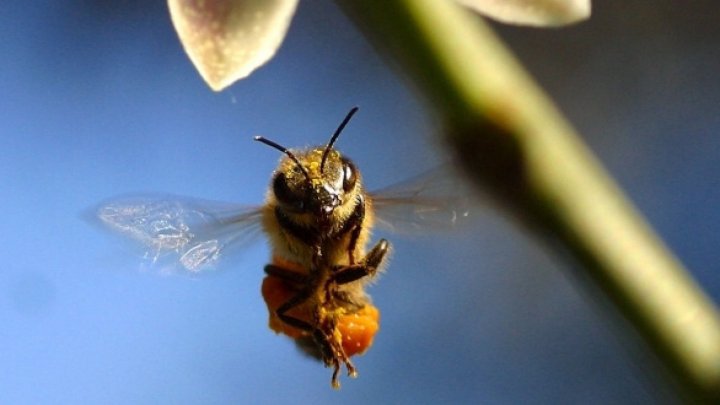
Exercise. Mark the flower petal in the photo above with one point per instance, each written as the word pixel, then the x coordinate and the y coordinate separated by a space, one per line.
pixel 549 13
pixel 227 39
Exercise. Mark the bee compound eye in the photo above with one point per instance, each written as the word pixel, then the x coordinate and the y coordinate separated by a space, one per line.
pixel 286 195
pixel 349 175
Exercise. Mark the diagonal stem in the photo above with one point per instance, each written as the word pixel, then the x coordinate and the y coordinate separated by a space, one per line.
pixel 514 143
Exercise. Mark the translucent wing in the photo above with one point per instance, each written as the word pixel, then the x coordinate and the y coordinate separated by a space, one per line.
pixel 435 200
pixel 179 230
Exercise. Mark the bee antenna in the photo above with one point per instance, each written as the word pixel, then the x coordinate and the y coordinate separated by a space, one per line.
pixel 335 136
pixel 285 151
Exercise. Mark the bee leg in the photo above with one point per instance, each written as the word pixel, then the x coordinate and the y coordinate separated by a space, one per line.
pixel 285 274
pixel 353 225
pixel 302 296
pixel 333 353
pixel 335 381
pixel 367 267
pixel 331 350
pixel 355 221
pixel 323 343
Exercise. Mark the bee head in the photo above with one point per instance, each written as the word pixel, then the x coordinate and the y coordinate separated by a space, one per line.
pixel 316 181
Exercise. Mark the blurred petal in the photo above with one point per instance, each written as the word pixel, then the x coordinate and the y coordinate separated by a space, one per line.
pixel 227 39
pixel 548 13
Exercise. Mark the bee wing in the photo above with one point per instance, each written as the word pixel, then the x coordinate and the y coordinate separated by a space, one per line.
pixel 435 200
pixel 181 231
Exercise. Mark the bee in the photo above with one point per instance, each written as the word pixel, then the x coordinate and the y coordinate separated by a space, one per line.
pixel 318 218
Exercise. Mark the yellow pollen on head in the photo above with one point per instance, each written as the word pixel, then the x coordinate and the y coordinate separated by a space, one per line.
pixel 314 172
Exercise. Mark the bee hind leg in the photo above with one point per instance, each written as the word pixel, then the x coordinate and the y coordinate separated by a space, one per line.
pixel 285 274
pixel 367 267
pixel 333 353
pixel 302 295
pixel 329 350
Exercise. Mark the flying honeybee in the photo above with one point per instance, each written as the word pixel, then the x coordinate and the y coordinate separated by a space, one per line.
pixel 318 219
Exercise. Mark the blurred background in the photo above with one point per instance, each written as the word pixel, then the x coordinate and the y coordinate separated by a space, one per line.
pixel 99 99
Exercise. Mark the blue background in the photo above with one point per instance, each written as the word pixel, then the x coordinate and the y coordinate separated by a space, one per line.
pixel 98 99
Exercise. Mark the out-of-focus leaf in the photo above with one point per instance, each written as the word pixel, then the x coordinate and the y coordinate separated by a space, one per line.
pixel 532 12
pixel 228 39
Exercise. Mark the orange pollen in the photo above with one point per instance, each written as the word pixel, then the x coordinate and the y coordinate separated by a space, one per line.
pixel 356 330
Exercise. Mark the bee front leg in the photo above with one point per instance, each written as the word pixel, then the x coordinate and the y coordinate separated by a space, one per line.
pixel 367 267
pixel 354 225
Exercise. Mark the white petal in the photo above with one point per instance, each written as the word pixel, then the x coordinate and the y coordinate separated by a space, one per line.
pixel 228 39
pixel 532 12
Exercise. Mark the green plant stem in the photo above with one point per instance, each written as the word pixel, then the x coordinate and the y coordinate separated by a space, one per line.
pixel 514 143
